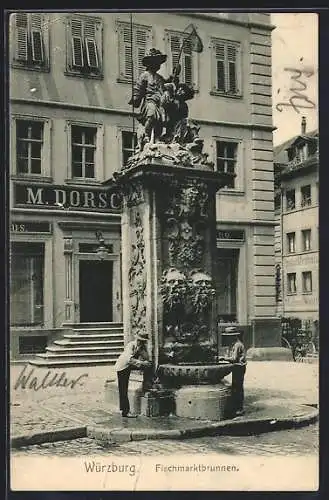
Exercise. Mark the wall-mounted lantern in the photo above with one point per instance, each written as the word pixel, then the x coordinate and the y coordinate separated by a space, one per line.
pixel 102 250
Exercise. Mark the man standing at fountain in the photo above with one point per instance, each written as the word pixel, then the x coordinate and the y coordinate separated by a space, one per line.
pixel 237 356
pixel 134 356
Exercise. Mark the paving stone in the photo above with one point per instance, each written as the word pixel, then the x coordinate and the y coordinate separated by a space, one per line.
pixel 280 384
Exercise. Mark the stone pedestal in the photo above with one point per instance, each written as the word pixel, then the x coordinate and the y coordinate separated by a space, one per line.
pixel 266 341
pixel 157 404
pixel 269 354
pixel 208 402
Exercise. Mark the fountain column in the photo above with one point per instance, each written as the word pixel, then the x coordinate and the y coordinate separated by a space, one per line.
pixel 168 259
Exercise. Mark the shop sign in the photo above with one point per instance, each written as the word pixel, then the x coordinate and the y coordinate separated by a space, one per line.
pixel 30 227
pixel 234 234
pixel 65 197
pixel 301 260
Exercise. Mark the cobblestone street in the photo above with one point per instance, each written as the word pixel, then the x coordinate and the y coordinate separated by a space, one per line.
pixel 53 408
pixel 283 443
pixel 58 407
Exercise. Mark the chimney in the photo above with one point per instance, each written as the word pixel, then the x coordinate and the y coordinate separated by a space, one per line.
pixel 303 125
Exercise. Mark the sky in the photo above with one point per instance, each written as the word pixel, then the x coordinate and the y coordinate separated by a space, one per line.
pixel 294 46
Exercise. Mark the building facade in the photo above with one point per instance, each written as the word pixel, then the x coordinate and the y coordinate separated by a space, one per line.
pixel 72 127
pixel 297 230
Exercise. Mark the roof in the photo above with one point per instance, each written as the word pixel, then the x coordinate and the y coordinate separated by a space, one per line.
pixel 280 152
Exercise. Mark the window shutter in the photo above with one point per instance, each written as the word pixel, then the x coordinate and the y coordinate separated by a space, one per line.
pixel 125 53
pixel 21 37
pixel 175 45
pixel 90 44
pixel 140 67
pixel 220 67
pixel 77 49
pixel 188 76
pixel 36 38
pixel 231 74
pixel 92 56
pixel 141 43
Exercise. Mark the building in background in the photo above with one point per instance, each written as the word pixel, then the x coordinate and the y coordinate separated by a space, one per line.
pixel 296 164
pixel 71 128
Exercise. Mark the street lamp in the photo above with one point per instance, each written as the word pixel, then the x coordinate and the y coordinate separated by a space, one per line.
pixel 102 250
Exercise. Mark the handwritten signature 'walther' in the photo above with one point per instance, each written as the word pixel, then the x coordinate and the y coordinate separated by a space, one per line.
pixel 50 379
pixel 298 88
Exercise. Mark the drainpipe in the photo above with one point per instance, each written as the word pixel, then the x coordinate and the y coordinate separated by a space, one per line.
pixel 282 269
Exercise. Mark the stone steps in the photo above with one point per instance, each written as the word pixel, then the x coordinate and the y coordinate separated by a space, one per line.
pixel 67 363
pixel 91 344
pixel 80 343
pixel 92 326
pixel 90 337
pixel 81 349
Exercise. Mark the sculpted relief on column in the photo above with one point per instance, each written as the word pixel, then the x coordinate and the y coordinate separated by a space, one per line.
pixel 137 276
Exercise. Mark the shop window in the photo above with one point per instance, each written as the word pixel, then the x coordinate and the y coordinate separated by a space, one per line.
pixel 129 142
pixel 291 281
pixel 134 42
pixel 83 143
pixel 226 285
pixel 291 242
pixel 226 60
pixel 306 196
pixel 84 47
pixel 27 284
pixel 226 159
pixel 307 281
pixel 290 199
pixel 306 240
pixel 29 145
pixel 31 49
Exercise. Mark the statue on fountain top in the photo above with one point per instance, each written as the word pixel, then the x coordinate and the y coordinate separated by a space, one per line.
pixel 149 95
pixel 165 131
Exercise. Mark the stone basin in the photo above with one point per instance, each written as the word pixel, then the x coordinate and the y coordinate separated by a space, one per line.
pixel 193 373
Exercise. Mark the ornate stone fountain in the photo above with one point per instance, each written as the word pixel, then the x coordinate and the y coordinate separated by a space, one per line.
pixel 168 191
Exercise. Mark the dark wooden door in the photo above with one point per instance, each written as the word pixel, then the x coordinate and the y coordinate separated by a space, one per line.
pixel 95 286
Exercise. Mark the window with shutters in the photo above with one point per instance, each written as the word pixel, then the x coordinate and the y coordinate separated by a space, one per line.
pixel 30 41
pixel 226 74
pixel 180 51
pixel 84 47
pixel 133 43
